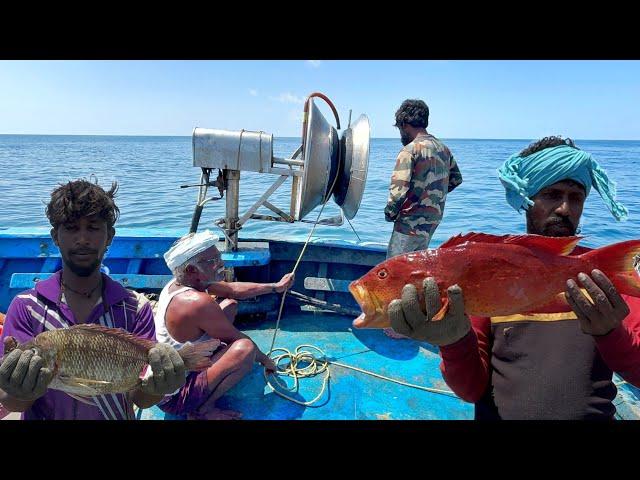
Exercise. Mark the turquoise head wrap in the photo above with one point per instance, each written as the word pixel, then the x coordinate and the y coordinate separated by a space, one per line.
pixel 523 177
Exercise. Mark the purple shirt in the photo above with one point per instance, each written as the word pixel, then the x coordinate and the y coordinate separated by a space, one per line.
pixel 34 311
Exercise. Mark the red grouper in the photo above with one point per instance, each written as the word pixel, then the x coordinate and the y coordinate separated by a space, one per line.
pixel 499 275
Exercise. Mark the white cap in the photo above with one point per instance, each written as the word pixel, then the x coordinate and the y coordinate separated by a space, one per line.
pixel 188 247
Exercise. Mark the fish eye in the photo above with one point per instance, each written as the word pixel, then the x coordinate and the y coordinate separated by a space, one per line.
pixel 382 273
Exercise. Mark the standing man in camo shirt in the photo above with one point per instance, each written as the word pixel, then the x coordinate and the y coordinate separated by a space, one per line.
pixel 425 172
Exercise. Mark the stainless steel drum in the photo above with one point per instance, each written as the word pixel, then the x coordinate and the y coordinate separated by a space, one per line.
pixel 355 161
pixel 320 156
pixel 233 150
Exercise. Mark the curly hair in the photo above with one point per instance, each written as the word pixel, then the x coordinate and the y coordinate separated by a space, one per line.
pixel 547 142
pixel 413 112
pixel 81 198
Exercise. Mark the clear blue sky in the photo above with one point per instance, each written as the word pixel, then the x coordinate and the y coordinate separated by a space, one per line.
pixel 468 99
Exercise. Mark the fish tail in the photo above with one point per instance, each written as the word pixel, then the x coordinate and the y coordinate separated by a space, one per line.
pixel 196 356
pixel 621 263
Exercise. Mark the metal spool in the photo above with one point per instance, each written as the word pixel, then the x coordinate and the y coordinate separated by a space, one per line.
pixel 355 162
pixel 320 156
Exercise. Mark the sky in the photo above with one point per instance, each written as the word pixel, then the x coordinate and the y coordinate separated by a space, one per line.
pixel 499 99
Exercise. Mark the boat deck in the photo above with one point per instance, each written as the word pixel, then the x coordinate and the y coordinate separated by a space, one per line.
pixel 350 395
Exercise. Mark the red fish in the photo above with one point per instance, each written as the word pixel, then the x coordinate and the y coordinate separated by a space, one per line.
pixel 499 275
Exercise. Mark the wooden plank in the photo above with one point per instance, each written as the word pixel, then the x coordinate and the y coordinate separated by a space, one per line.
pixel 326 284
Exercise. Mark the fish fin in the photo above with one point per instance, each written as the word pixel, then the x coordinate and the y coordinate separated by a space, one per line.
pixel 196 355
pixel 116 332
pixel 557 304
pixel 442 312
pixel 85 381
pixel 458 240
pixel 621 263
pixel 82 383
pixel 80 398
pixel 10 344
pixel 555 245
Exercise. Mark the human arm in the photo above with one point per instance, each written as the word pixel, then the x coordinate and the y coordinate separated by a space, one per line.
pixel 613 321
pixel 399 187
pixel 241 290
pixel 455 176
pixel 168 375
pixel 167 367
pixel 198 312
pixel 464 342
pixel 23 377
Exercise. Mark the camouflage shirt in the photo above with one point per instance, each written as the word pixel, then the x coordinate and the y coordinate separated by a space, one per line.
pixel 425 172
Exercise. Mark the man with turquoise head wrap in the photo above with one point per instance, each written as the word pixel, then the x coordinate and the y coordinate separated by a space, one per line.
pixel 525 174
pixel 556 363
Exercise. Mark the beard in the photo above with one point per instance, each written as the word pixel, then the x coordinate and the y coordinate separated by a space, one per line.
pixel 556 227
pixel 405 139
pixel 82 270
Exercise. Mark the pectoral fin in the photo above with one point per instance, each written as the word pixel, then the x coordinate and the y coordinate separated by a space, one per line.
pixel 443 310
pixel 82 386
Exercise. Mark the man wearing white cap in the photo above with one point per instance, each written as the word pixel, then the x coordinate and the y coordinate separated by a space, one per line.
pixel 186 312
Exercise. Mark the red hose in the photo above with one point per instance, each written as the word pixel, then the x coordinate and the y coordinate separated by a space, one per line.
pixel 306 114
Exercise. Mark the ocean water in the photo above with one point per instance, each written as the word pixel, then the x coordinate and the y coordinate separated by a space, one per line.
pixel 150 171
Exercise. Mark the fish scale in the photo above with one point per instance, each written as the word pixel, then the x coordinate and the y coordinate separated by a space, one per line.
pixel 99 357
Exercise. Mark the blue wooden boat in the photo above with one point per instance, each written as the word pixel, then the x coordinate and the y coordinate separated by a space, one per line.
pixel 135 259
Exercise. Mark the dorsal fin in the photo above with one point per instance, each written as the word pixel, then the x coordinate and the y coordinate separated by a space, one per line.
pixel 115 332
pixel 555 245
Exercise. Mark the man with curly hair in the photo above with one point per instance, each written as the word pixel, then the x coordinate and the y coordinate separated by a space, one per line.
pixel 82 216
pixel 557 362
pixel 425 172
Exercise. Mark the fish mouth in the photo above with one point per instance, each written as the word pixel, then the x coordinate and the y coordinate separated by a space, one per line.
pixel 371 306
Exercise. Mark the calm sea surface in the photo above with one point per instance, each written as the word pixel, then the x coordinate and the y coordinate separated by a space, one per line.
pixel 150 171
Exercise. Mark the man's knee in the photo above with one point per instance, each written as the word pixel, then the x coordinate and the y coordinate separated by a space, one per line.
pixel 243 350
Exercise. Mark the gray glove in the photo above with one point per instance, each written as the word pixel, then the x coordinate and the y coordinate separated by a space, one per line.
pixel 168 371
pixel 22 374
pixel 407 318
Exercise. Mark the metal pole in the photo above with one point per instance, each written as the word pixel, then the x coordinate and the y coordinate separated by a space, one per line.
pixel 202 193
pixel 233 197
pixel 287 161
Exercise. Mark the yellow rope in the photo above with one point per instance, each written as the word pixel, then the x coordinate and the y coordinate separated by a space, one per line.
pixel 316 366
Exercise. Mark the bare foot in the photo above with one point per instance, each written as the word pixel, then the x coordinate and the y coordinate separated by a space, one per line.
pixel 391 333
pixel 215 414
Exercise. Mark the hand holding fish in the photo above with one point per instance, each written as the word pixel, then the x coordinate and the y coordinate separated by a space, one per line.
pixel 607 310
pixel 169 372
pixel 23 375
pixel 408 319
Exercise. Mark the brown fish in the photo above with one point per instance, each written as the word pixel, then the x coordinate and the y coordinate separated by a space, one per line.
pixel 89 360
